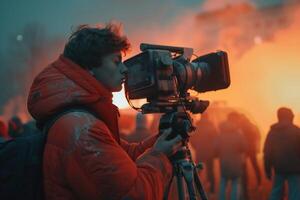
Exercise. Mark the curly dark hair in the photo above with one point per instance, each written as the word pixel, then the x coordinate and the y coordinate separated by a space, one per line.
pixel 87 45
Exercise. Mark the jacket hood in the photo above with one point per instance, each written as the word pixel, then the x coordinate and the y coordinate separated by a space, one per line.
pixel 64 84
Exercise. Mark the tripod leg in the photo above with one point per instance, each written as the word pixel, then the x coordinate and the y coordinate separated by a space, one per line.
pixel 187 169
pixel 199 185
pixel 180 186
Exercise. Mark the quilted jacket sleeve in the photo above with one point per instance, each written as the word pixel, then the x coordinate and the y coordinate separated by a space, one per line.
pixel 134 150
pixel 97 167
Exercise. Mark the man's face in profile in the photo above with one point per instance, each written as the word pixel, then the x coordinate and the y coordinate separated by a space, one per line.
pixel 112 72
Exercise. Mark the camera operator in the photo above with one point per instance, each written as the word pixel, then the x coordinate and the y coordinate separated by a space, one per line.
pixel 84 157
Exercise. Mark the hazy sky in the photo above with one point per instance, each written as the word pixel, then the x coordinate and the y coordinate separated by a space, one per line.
pixel 57 16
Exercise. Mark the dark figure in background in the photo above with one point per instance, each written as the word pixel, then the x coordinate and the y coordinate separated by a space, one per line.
pixel 141 131
pixel 252 136
pixel 231 148
pixel 84 157
pixel 3 131
pixel 203 141
pixel 282 154
pixel 30 128
pixel 15 127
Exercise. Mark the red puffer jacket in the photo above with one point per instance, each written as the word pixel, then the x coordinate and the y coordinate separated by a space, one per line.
pixel 84 157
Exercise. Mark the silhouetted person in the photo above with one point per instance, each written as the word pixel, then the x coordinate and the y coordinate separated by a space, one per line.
pixel 3 132
pixel 141 131
pixel 231 148
pixel 203 142
pixel 282 154
pixel 252 137
pixel 15 127
pixel 30 128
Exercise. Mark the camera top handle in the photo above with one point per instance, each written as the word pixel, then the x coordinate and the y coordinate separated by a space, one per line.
pixel 186 52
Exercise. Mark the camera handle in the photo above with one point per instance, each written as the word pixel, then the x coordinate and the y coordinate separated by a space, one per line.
pixel 184 168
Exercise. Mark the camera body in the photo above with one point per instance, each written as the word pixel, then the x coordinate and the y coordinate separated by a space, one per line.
pixel 164 74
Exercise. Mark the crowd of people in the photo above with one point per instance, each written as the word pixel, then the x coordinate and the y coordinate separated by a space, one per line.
pixel 233 146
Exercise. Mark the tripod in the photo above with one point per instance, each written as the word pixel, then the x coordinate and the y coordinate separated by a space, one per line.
pixel 184 169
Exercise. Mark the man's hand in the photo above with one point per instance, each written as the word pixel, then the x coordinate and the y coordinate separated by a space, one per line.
pixel 168 147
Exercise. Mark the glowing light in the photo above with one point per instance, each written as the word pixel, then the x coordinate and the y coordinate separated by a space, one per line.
pixel 119 99
pixel 283 87
pixel 19 38
pixel 258 39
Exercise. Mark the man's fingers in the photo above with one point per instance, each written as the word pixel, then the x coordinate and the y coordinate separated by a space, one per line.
pixel 166 133
pixel 177 146
pixel 168 146
pixel 176 139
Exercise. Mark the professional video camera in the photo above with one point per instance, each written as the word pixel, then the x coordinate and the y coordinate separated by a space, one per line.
pixel 163 75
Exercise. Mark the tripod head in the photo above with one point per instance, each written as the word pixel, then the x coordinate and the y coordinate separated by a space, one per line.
pixel 184 167
pixel 180 120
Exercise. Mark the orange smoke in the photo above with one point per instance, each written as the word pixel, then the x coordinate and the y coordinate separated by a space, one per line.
pixel 264 69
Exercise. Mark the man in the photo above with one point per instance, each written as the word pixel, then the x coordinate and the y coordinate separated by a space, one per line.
pixel 3 132
pixel 231 148
pixel 252 136
pixel 282 154
pixel 15 127
pixel 84 156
